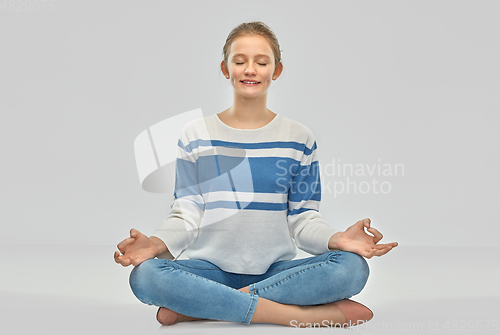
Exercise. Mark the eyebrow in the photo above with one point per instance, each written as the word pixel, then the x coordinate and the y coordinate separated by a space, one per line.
pixel 259 55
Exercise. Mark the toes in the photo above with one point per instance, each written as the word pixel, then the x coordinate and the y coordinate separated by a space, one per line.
pixel 166 316
pixel 354 312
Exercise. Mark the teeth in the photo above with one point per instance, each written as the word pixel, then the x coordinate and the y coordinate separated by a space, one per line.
pixel 250 82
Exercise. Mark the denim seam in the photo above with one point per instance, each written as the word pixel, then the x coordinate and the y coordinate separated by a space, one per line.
pixel 293 266
pixel 195 275
pixel 194 267
pixel 249 309
pixel 250 289
pixel 312 265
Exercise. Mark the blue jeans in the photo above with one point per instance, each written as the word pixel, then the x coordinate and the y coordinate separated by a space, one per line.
pixel 200 289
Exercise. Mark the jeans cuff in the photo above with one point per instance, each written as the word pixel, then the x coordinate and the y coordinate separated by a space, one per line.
pixel 251 309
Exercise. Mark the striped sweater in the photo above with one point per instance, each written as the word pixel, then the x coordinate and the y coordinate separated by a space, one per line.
pixel 244 198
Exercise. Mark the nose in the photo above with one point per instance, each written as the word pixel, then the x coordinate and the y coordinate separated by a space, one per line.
pixel 250 69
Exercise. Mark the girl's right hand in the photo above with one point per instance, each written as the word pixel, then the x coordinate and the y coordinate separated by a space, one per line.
pixel 136 249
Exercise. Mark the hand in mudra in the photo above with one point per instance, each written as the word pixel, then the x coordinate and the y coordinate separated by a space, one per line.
pixel 135 249
pixel 355 239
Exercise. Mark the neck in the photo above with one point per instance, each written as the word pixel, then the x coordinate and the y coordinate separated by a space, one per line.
pixel 250 112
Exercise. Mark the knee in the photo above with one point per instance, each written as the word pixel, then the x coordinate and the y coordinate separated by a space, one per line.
pixel 358 270
pixel 143 279
pixel 355 270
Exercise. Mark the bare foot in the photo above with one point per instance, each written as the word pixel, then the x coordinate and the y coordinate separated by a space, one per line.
pixel 342 313
pixel 168 317
pixel 318 315
pixel 354 312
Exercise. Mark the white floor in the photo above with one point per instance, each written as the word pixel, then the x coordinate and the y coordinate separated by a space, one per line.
pixel 80 290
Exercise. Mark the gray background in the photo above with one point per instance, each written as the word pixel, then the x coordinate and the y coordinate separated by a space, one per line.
pixel 389 82
pixel 396 82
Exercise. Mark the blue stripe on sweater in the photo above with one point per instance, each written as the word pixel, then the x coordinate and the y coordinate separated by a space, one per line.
pixel 260 145
pixel 301 210
pixel 263 175
pixel 263 206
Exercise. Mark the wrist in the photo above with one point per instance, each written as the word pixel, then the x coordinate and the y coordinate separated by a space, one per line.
pixel 158 245
pixel 333 241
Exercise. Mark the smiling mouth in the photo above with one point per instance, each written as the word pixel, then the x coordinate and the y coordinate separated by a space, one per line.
pixel 246 82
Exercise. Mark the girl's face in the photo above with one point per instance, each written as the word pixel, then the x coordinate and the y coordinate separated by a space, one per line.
pixel 251 65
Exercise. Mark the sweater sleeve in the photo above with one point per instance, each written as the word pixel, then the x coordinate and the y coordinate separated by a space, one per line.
pixel 181 226
pixel 309 230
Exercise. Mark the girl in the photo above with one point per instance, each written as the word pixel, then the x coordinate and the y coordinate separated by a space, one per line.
pixel 247 192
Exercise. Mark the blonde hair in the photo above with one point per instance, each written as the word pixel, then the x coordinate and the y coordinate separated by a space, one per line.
pixel 249 28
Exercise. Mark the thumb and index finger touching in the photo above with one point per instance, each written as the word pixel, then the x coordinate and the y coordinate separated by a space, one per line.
pixel 122 247
pixel 134 234
pixel 377 236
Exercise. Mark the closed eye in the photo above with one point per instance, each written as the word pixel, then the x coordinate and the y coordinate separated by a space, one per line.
pixel 264 64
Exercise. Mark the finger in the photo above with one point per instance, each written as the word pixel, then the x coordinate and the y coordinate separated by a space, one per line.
pixel 124 261
pixel 360 224
pixel 377 236
pixel 121 259
pixel 123 244
pixel 383 249
pixel 392 245
pixel 134 233
pixel 366 222
pixel 381 246
pixel 116 255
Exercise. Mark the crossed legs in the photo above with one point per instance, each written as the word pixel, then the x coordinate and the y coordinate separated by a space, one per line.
pixel 292 293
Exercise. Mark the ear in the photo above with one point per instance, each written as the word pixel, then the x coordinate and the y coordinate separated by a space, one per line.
pixel 224 69
pixel 277 70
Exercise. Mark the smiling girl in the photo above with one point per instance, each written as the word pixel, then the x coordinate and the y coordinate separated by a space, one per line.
pixel 239 226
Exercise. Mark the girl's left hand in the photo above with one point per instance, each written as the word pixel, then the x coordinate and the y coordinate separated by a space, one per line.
pixel 355 239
